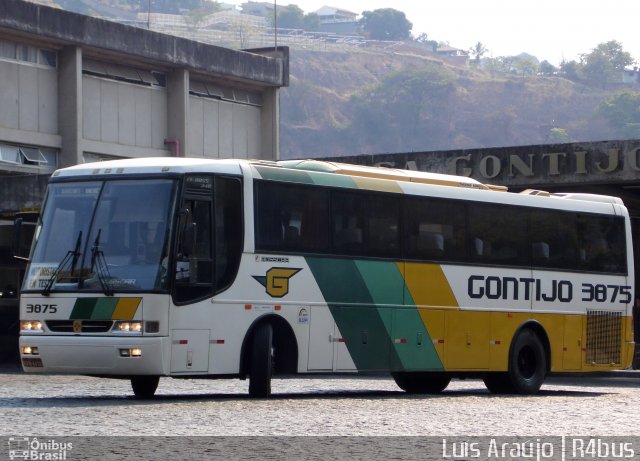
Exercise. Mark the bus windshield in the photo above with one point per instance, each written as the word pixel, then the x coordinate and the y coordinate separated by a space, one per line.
pixel 103 236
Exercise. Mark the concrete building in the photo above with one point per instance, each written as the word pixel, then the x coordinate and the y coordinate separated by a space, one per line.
pixel 76 89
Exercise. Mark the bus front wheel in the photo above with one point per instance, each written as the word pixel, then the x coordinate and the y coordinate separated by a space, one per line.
pixel 421 383
pixel 527 363
pixel 261 363
pixel 144 387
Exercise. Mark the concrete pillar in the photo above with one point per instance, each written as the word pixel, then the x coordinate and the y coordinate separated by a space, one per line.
pixel 70 105
pixel 270 124
pixel 178 112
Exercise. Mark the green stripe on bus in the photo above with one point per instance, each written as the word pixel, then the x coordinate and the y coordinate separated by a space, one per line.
pixel 104 308
pixel 94 308
pixel 375 314
pixel 383 280
pixel 412 342
pixel 410 338
pixel 364 327
pixel 282 174
pixel 82 309
pixel 333 180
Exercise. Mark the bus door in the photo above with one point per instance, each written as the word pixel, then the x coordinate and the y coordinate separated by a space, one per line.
pixel 193 278
pixel 327 347
pixel 321 339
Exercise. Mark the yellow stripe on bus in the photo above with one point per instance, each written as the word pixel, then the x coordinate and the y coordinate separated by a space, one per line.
pixel 126 308
pixel 377 184
pixel 428 285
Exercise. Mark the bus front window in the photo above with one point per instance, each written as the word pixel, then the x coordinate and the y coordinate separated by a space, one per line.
pixel 113 234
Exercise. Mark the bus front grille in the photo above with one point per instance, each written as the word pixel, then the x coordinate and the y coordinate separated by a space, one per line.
pixel 84 326
pixel 604 337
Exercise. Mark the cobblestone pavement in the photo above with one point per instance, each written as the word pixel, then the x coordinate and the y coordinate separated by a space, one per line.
pixel 76 405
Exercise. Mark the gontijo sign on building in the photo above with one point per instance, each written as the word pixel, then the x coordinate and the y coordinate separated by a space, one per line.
pixel 594 162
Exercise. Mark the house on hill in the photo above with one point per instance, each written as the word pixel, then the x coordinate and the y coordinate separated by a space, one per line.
pixel 337 20
pixel 453 55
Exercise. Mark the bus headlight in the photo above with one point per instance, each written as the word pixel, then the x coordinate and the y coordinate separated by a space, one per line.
pixel 30 350
pixel 31 326
pixel 127 328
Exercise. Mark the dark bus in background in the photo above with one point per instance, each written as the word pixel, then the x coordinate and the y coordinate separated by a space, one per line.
pixel 16 233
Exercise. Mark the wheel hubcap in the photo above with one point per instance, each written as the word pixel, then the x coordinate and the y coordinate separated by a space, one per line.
pixel 527 362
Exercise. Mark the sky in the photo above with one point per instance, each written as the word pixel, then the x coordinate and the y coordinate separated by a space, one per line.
pixel 554 30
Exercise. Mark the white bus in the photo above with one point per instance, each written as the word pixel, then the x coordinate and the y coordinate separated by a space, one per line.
pixel 245 269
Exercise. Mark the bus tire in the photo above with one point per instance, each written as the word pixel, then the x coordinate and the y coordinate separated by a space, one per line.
pixel 527 363
pixel 421 383
pixel 144 387
pixel 261 363
pixel 498 383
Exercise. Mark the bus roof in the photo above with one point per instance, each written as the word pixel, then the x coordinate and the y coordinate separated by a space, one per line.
pixel 389 173
pixel 151 165
pixel 164 165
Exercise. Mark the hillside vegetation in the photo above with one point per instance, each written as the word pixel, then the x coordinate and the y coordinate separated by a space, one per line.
pixel 365 101
pixel 393 97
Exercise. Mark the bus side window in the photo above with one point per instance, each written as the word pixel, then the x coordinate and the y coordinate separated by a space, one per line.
pixel 229 231
pixel 291 218
pixel 194 258
pixel 602 246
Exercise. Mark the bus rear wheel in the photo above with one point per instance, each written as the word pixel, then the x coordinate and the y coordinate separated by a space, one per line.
pixel 144 387
pixel 421 383
pixel 527 363
pixel 261 363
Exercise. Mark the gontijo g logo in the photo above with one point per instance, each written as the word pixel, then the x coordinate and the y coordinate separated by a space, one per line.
pixel 276 280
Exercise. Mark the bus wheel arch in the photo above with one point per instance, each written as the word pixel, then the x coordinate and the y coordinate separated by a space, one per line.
pixel 283 344
pixel 539 330
pixel 529 358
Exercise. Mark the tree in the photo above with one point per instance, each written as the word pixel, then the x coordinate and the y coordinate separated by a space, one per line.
pixel 423 39
pixel 622 111
pixel 407 108
pixel 311 22
pixel 525 66
pixel 477 51
pixel 571 70
pixel 290 17
pixel 386 24
pixel 546 68
pixel 605 63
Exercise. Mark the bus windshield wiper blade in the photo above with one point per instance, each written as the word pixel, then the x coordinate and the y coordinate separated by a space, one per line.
pixel 100 264
pixel 72 255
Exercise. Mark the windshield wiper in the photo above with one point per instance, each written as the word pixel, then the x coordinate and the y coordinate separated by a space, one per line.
pixel 73 256
pixel 100 264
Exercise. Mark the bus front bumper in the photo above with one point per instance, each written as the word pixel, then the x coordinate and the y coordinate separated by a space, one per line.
pixel 94 355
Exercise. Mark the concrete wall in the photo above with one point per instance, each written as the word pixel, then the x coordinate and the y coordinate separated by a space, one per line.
pixel 76 113
pixel 545 165
pixel 117 116
pixel 222 129
pixel 20 192
pixel 29 97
